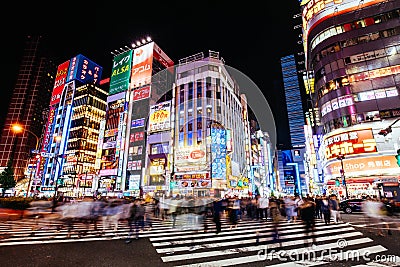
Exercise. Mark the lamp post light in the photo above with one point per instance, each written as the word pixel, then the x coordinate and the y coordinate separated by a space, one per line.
pixel 18 129
pixel 341 158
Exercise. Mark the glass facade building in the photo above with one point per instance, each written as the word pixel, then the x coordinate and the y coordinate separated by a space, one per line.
pixel 353 49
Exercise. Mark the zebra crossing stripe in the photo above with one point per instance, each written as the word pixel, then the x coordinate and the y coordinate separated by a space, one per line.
pixel 325 260
pixel 171 235
pixel 256 248
pixel 231 243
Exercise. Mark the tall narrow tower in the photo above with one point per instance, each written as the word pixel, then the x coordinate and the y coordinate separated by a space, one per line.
pixel 35 78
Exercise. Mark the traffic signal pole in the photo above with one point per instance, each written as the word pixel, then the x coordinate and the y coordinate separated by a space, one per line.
pixel 341 158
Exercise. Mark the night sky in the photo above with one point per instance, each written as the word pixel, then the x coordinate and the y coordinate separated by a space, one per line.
pixel 251 36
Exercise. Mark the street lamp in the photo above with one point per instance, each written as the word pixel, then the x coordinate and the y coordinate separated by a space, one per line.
pixel 18 129
pixel 341 158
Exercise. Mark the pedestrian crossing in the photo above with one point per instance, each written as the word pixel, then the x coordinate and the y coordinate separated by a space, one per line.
pixel 251 243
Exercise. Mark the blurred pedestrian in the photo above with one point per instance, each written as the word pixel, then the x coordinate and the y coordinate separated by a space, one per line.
pixel 307 212
pixel 136 219
pixel 233 213
pixel 326 209
pixel 375 211
pixel 217 212
pixel 276 217
pixel 334 204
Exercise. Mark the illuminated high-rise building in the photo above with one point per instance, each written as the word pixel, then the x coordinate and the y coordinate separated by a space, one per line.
pixel 27 106
pixel 134 88
pixel 209 128
pixel 353 49
pixel 76 108
pixel 293 101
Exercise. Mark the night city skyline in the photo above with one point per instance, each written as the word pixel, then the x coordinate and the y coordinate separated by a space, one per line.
pixel 241 34
pixel 208 133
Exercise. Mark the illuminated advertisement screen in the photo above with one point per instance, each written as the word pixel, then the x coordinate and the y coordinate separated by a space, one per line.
pixel 161 57
pixel 218 153
pixel 84 70
pixel 186 156
pixel 46 139
pixel 365 166
pixel 317 11
pixel 160 117
pixel 141 93
pixel 59 83
pixel 349 143
pixel 121 72
pixel 142 65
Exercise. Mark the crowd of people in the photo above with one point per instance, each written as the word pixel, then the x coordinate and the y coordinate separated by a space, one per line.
pixel 140 213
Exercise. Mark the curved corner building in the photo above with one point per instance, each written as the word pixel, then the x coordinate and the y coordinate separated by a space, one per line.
pixel 353 47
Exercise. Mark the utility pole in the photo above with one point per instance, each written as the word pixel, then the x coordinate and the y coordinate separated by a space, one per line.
pixel 341 158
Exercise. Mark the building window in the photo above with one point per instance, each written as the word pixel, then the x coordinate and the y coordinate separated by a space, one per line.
pixel 190 91
pixel 199 123
pixel 181 95
pixel 190 139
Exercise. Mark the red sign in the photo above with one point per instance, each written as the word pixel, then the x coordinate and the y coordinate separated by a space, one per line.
pixel 59 83
pixel 197 154
pixel 350 143
pixel 141 93
pixel 142 62
pixel 46 140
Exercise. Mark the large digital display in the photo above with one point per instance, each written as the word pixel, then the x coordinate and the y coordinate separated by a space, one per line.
pixel 84 70
pixel 366 166
pixel 160 117
pixel 349 143
pixel 59 83
pixel 46 140
pixel 218 153
pixel 121 72
pixel 162 57
pixel 316 11
pixel 142 65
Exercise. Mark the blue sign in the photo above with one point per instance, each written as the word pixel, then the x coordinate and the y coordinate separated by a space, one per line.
pixel 84 70
pixel 137 123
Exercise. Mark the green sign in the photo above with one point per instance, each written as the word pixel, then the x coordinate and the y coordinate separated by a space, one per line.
pixel 121 73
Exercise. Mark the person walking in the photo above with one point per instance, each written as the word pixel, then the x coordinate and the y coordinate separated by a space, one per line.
pixel 307 212
pixel 326 209
pixel 318 209
pixel 334 204
pixel 136 219
pixel 217 210
pixel 275 216
pixel 233 213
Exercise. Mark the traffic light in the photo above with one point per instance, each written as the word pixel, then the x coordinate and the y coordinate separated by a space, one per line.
pixel 398 157
pixel 337 182
pixel 385 131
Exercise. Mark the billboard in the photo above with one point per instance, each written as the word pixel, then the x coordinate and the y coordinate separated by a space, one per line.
pixel 218 153
pixel 161 57
pixel 121 72
pixel 46 139
pixel 363 166
pixel 84 70
pixel 190 158
pixel 142 65
pixel 317 11
pixel 59 83
pixel 141 93
pixel 350 143
pixel 160 117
